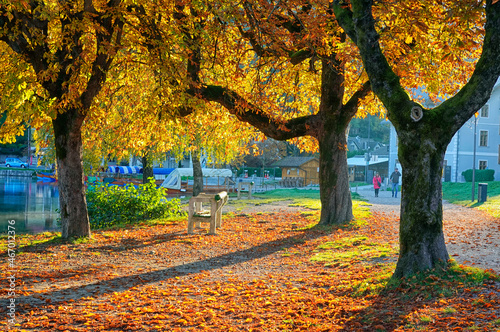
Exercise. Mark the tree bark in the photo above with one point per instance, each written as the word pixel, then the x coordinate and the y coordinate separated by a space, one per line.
pixel 421 237
pixel 197 174
pixel 336 203
pixel 73 204
pixel 147 169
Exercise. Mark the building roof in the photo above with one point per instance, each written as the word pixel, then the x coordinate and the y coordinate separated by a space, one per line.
pixel 293 161
pixel 383 150
pixel 360 161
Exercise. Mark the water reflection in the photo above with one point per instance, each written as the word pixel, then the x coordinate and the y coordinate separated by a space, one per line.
pixel 30 203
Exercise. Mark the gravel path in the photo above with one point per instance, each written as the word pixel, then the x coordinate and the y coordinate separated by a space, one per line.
pixel 472 236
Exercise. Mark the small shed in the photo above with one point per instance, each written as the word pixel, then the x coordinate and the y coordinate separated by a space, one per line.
pixel 306 168
pixel 358 167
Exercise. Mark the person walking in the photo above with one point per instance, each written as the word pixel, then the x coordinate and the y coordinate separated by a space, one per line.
pixel 377 182
pixel 395 182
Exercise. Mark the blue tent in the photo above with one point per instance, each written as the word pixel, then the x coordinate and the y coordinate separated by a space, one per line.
pixel 162 171
pixel 125 169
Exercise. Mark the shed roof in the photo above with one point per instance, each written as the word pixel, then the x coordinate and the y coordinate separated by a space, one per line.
pixel 293 161
pixel 360 161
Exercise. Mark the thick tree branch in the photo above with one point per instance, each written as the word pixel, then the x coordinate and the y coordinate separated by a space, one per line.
pixel 360 26
pixel 351 107
pixel 113 27
pixel 192 41
pixel 384 82
pixel 295 27
pixel 21 33
pixel 344 17
pixel 478 90
pixel 251 114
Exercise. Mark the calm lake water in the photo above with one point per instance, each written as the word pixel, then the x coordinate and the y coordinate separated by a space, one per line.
pixel 30 203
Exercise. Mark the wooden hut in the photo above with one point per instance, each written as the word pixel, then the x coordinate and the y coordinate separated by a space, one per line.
pixel 299 171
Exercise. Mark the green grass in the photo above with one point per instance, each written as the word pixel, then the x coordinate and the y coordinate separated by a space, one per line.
pixel 449 310
pixel 17 169
pixel 441 281
pixel 349 250
pixel 436 283
pixel 300 197
pixel 304 198
pixel 26 240
pixel 461 194
pixel 286 194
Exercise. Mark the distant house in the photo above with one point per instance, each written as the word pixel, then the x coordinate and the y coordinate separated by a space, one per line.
pixel 382 151
pixel 354 144
pixel 306 168
pixel 358 143
pixel 461 154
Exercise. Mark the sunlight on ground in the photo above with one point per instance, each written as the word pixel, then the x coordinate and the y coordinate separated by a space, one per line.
pixel 262 272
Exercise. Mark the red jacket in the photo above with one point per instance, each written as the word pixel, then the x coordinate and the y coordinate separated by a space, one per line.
pixel 377 181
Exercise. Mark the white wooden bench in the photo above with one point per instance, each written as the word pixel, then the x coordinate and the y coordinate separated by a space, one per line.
pixel 198 215
pixel 249 185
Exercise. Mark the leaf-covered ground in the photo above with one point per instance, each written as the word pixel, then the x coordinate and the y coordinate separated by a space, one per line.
pixel 262 272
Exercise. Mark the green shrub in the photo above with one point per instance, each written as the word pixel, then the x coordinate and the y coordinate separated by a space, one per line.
pixel 481 175
pixel 112 205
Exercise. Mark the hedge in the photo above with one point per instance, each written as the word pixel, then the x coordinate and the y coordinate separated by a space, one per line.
pixel 481 175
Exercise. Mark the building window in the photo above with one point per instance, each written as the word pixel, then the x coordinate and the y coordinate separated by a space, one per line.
pixel 483 164
pixel 483 138
pixel 485 111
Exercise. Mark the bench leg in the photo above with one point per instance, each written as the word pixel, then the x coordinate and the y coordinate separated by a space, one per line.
pixel 218 218
pixel 219 212
pixel 212 226
pixel 213 218
pixel 190 220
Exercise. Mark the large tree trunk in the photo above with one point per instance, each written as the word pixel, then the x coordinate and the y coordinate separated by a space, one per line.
pixel 336 203
pixel 197 174
pixel 68 144
pixel 421 235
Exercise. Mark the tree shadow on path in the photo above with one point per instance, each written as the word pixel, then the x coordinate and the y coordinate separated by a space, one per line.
pixel 119 284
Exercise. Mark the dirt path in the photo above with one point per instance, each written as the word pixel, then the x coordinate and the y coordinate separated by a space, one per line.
pixel 472 237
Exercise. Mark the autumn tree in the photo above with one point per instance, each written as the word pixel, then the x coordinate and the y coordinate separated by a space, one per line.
pixel 63 49
pixel 284 69
pixel 453 31
pixel 134 115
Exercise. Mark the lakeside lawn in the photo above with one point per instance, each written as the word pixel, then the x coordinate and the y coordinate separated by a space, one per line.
pixel 461 193
pixel 262 272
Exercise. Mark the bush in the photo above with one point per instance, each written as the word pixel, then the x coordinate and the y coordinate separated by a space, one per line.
pixel 481 175
pixel 112 205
